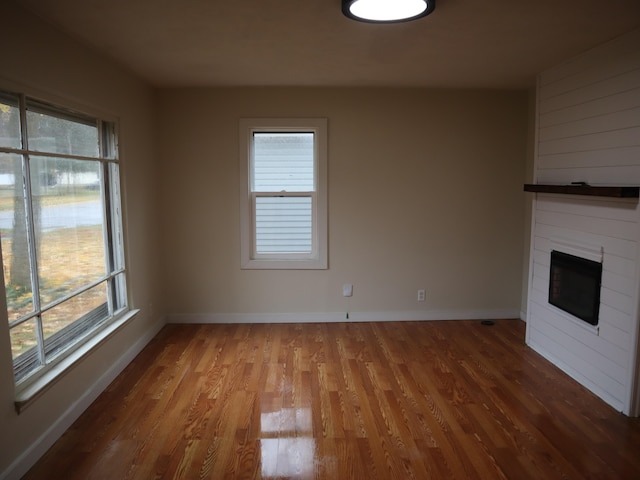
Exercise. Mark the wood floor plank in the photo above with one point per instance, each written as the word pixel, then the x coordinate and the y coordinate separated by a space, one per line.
pixel 421 400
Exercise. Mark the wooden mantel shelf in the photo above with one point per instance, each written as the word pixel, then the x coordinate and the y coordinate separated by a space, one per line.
pixel 616 192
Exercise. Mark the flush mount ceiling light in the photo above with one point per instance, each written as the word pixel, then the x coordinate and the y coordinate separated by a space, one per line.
pixel 387 11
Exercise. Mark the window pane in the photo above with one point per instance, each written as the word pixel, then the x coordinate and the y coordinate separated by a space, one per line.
pixel 24 348
pixel 283 161
pixel 23 337
pixel 57 132
pixel 283 225
pixel 68 223
pixel 9 121
pixel 71 319
pixel 13 232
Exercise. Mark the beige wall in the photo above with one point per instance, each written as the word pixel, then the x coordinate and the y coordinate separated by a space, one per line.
pixel 48 63
pixel 425 191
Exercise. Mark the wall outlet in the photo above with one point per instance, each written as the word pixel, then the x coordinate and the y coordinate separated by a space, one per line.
pixel 421 295
pixel 347 290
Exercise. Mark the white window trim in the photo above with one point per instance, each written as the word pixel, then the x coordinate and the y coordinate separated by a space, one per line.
pixel 318 260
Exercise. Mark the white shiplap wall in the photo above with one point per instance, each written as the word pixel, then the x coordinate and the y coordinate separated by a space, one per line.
pixel 588 129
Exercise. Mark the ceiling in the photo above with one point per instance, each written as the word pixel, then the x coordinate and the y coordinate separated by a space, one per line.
pixel 462 44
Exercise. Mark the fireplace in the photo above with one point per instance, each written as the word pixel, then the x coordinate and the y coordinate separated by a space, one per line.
pixel 574 285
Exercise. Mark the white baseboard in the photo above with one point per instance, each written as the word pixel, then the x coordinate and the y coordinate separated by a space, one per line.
pixel 29 457
pixel 334 317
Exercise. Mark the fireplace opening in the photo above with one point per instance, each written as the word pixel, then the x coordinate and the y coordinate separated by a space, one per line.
pixel 574 286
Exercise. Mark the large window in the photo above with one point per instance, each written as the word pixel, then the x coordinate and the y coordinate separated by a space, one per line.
pixel 61 231
pixel 283 193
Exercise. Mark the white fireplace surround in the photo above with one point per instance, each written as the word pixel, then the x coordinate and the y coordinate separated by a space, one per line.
pixel 600 357
pixel 587 130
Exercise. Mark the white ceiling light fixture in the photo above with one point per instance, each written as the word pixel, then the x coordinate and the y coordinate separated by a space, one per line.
pixel 387 11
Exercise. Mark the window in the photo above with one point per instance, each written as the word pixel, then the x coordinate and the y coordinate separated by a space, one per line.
pixel 61 231
pixel 283 166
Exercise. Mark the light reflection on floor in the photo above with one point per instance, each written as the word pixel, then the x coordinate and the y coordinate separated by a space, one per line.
pixel 288 449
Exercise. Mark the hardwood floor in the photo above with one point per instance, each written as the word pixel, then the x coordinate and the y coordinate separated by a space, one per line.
pixel 442 400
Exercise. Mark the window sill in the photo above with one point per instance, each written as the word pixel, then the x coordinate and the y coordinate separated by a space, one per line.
pixel 284 264
pixel 31 389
